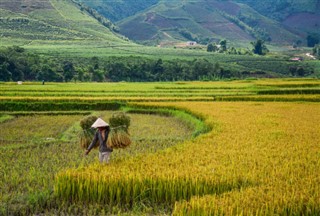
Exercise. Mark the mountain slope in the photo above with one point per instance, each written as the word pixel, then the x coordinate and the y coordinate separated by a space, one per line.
pixel 116 10
pixel 281 9
pixel 277 21
pixel 204 21
pixel 300 16
pixel 50 20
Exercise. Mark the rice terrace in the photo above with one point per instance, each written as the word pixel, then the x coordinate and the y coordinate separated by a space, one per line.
pixel 246 147
pixel 160 107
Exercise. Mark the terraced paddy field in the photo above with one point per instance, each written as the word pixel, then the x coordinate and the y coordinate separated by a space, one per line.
pixel 247 147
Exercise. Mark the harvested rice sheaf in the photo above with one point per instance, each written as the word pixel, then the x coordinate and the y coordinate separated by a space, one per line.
pixel 119 135
pixel 86 138
pixel 118 139
pixel 86 135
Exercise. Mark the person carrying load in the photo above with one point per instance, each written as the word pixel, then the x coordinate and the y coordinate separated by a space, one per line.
pixel 101 136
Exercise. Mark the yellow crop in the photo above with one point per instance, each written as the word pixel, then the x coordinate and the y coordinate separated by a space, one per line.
pixel 260 159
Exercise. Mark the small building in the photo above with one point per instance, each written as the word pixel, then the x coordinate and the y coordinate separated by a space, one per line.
pixel 296 59
pixel 191 43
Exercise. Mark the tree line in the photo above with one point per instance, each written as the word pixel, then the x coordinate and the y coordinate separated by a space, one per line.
pixel 18 65
pixel 259 48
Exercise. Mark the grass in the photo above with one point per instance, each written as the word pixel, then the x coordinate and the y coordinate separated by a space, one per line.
pixel 4 117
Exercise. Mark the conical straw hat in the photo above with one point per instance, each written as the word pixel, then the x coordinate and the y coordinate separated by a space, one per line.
pixel 99 123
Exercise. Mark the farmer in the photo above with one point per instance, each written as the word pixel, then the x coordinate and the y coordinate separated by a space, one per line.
pixel 101 135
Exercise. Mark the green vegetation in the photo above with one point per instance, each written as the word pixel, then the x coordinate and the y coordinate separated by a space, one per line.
pixel 18 64
pixel 281 9
pixel 4 118
pixel 119 9
pixel 60 42
pixel 52 22
pixel 316 51
pixel 259 47
pixel 62 106
pixel 205 22
pixel 107 23
pixel 313 40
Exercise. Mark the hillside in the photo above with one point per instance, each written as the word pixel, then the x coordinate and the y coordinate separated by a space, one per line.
pixel 119 9
pixel 300 16
pixel 62 40
pixel 282 9
pixel 158 21
pixel 284 22
pixel 204 21
pixel 49 21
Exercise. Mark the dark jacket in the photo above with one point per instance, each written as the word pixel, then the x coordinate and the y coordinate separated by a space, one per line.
pixel 102 143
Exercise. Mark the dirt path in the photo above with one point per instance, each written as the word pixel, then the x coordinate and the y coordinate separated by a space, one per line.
pixel 310 56
pixel 166 34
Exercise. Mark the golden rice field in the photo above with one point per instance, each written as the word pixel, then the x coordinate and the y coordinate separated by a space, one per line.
pixel 260 156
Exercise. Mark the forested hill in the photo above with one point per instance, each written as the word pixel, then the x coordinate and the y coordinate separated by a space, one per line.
pixel 154 21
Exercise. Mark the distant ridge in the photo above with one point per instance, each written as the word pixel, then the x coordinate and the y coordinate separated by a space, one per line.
pixel 281 22
pixel 25 6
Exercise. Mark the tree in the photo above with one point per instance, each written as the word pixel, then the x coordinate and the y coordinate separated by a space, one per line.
pixel 5 74
pixel 98 75
pixel 203 69
pixel 223 44
pixel 117 71
pixel 316 51
pixel 210 48
pixel 213 47
pixel 16 49
pixel 297 71
pixel 233 51
pixel 300 71
pixel 68 71
pixel 312 40
pixel 157 69
pixel 259 47
pixel 95 62
pixel 47 73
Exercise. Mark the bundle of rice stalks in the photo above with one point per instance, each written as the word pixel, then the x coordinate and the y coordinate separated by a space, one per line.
pixel 118 138
pixel 119 135
pixel 86 138
pixel 86 135
pixel 87 121
pixel 120 120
